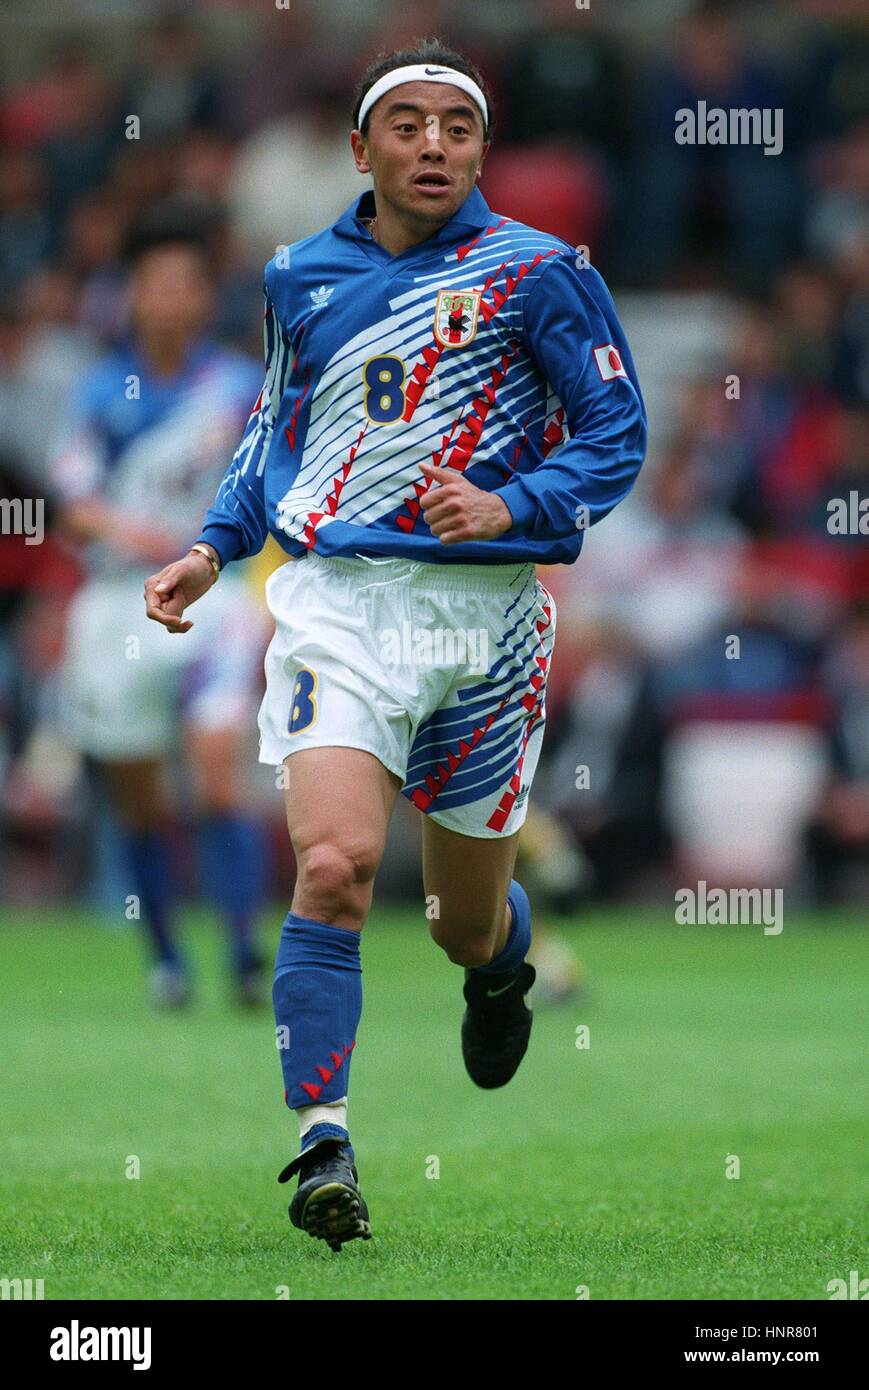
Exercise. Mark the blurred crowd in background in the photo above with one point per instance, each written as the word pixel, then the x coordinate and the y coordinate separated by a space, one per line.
pixel 709 705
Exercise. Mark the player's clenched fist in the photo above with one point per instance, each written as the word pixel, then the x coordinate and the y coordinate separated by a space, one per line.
pixel 457 511
pixel 168 593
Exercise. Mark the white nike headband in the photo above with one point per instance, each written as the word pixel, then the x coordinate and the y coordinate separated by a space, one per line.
pixel 423 72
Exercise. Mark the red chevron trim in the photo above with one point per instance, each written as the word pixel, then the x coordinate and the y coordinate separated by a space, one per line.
pixel 419 378
pixel 498 818
pixel 330 505
pixel 310 1087
pixel 437 780
pixel 463 251
pixel 463 450
pixel 488 309
pixel 464 447
pixel 554 432
pixel 412 504
pixel 533 703
pixel 290 429
pixel 298 348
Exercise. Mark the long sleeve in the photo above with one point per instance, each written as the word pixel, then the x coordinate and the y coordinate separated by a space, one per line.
pixel 236 525
pixel 574 335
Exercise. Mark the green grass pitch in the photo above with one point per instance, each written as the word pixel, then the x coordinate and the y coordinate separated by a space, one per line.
pixel 599 1168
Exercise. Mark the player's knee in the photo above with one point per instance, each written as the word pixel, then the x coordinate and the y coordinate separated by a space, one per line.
pixel 337 879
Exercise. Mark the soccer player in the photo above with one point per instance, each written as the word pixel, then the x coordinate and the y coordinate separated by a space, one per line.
pixel 448 399
pixel 147 438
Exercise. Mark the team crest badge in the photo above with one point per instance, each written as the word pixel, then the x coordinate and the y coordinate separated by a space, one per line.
pixel 456 315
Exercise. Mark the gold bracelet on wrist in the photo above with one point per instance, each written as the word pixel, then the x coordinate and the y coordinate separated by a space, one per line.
pixel 209 557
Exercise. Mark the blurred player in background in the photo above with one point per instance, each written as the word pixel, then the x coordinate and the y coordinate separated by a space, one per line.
pixel 146 441
pixel 554 873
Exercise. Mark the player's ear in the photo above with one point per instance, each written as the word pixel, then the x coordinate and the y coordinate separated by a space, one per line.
pixel 484 151
pixel 360 152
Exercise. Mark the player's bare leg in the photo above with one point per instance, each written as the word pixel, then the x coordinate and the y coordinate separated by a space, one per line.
pixel 483 922
pixel 137 791
pixel 338 802
pixel 216 758
pixel 231 846
pixel 470 879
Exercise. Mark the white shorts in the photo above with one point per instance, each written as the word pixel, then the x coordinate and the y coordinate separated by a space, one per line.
pixel 438 670
pixel 128 683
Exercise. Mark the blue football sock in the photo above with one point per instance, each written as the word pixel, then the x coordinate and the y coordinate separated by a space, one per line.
pixel 317 996
pixel 233 872
pixel 150 864
pixel 519 940
pixel 326 1131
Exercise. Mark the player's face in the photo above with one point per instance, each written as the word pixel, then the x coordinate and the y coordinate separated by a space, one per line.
pixel 424 149
pixel 170 292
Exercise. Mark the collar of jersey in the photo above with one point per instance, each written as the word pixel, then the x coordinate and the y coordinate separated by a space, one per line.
pixel 472 216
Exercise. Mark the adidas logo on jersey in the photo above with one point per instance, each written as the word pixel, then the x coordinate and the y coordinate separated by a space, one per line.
pixel 320 298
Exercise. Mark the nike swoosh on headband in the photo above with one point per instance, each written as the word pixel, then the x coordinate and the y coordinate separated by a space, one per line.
pixel 418 72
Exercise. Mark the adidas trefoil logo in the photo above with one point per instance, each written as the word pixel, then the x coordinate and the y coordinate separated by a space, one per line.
pixel 320 298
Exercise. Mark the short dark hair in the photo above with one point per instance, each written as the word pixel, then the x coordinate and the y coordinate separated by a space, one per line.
pixel 433 51
pixel 179 221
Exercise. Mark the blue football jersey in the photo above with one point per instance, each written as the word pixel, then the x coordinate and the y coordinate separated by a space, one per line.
pixel 490 348
pixel 154 447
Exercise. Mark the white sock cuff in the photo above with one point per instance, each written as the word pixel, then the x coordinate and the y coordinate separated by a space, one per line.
pixel 334 1112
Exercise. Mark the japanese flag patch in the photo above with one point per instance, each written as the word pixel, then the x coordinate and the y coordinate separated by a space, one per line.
pixel 609 363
